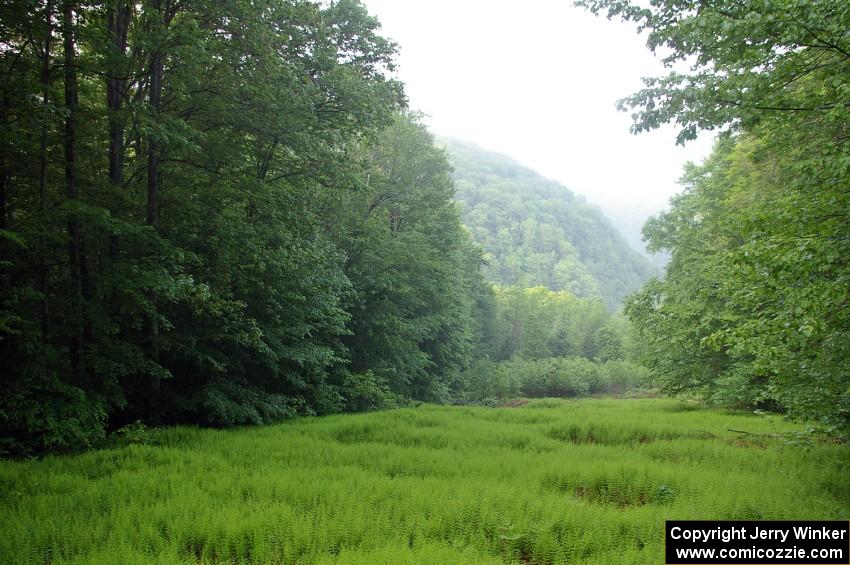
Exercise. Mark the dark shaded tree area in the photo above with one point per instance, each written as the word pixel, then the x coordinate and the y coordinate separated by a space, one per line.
pixel 754 310
pixel 216 213
pixel 418 296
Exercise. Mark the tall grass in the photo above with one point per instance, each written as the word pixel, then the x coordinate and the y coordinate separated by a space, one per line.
pixel 588 481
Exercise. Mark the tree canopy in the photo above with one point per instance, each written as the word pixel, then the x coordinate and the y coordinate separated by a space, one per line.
pixel 753 310
pixel 216 213
pixel 746 62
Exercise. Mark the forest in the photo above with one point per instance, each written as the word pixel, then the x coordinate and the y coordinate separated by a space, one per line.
pixel 222 215
pixel 224 230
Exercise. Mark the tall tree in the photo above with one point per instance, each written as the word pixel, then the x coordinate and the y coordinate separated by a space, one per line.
pixel 118 19
pixel 218 300
pixel 755 292
pixel 43 164
pixel 411 266
pixel 76 255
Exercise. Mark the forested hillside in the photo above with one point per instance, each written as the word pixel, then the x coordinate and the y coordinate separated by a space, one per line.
pixel 535 231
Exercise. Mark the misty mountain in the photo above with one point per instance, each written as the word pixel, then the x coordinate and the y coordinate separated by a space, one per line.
pixel 535 231
pixel 629 219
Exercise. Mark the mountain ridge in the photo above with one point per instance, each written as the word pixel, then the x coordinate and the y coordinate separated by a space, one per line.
pixel 536 231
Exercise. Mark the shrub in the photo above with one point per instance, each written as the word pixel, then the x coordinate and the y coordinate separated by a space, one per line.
pixel 553 377
pixel 366 391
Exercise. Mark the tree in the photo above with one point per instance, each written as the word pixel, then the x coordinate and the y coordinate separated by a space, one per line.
pixel 754 307
pixel 538 323
pixel 412 267
pixel 163 169
pixel 748 62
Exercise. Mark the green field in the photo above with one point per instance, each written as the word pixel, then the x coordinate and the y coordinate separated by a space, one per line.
pixel 588 481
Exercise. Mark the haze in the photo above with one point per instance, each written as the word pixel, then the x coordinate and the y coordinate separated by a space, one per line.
pixel 539 81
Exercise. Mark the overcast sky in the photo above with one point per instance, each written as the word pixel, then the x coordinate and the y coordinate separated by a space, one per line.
pixel 538 80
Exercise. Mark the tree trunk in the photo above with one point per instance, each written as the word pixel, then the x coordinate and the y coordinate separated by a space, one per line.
pixel 42 173
pixel 154 99
pixel 4 173
pixel 153 143
pixel 71 190
pixel 118 25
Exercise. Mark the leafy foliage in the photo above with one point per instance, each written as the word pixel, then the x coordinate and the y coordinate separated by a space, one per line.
pixel 412 267
pixel 562 377
pixel 754 307
pixel 752 311
pixel 748 61
pixel 535 323
pixel 546 343
pixel 216 213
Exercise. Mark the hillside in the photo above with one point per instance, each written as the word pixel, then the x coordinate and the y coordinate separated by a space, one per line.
pixel 535 231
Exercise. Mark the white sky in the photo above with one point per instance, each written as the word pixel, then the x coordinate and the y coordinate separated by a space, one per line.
pixel 538 80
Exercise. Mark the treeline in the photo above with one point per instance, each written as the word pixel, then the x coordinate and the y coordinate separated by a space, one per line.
pixel 538 342
pixel 217 213
pixel 755 308
pixel 553 377
pixel 536 323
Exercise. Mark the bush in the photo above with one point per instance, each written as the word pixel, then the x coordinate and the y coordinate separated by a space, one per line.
pixel 621 376
pixel 230 403
pixel 573 376
pixel 366 391
pixel 50 416
pixel 486 379
pixel 553 377
pixel 135 433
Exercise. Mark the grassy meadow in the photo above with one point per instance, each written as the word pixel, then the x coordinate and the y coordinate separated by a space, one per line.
pixel 552 481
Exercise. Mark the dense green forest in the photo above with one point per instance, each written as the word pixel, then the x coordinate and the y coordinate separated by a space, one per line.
pixel 539 342
pixel 224 213
pixel 218 214
pixel 535 231
pixel 755 308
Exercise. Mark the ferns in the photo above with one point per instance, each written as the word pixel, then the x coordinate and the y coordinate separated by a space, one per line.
pixel 554 481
